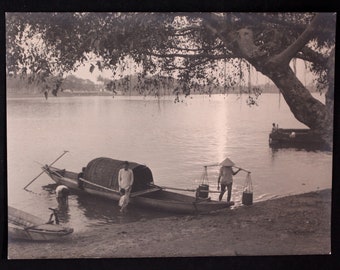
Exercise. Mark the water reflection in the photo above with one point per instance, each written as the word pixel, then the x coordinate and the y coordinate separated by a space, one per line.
pixel 301 147
pixel 105 211
pixel 63 213
pixel 174 139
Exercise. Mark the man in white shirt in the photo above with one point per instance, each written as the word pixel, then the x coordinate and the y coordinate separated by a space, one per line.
pixel 125 180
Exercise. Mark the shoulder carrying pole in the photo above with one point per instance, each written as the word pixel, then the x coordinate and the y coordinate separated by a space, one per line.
pixel 241 169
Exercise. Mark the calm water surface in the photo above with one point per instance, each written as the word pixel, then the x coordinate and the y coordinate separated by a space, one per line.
pixel 174 139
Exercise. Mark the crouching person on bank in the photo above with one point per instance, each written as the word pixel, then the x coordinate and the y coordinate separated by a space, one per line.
pixel 62 193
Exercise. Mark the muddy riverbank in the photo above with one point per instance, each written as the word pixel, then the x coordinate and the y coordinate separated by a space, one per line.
pixel 298 224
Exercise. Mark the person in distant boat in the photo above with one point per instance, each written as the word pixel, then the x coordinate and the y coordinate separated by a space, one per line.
pixel 275 127
pixel 225 178
pixel 125 180
pixel 292 135
pixel 62 193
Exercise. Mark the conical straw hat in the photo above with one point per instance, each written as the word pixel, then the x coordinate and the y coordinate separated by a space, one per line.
pixel 227 162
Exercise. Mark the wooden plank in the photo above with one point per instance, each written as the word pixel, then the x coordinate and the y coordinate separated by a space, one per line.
pixel 134 194
pixel 99 186
pixel 142 192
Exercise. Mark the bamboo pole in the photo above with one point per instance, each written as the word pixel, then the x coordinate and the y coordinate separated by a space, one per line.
pixel 99 186
pixel 187 189
pixel 242 169
pixel 25 188
pixel 217 164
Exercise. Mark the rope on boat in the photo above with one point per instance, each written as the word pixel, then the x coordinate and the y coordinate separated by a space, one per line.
pixel 35 193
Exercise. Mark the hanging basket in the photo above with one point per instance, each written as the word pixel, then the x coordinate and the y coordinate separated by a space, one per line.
pixel 203 189
pixel 247 196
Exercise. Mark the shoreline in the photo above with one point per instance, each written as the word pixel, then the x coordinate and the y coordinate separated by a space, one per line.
pixel 11 95
pixel 291 225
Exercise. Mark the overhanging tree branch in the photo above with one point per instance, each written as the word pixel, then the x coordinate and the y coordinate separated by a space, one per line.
pixel 312 56
pixel 193 56
pixel 285 56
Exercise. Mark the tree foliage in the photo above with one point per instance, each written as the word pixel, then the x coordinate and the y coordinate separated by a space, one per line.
pixel 188 45
pixel 197 48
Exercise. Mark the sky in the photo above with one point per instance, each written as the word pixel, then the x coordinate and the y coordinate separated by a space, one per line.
pixel 84 73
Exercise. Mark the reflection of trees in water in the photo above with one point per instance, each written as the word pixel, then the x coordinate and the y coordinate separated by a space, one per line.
pixel 107 211
pixel 63 213
pixel 302 147
pixel 102 210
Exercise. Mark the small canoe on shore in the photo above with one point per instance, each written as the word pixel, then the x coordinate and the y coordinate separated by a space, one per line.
pixel 294 138
pixel 144 192
pixel 24 226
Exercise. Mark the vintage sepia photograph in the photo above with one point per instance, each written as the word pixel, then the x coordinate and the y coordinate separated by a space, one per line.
pixel 169 134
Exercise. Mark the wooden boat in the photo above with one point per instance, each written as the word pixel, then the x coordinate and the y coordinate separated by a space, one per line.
pixel 294 138
pixel 24 226
pixel 145 195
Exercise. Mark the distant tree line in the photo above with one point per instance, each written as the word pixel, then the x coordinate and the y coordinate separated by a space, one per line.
pixel 23 85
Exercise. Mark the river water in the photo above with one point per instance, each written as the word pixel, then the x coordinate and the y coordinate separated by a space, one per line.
pixel 175 140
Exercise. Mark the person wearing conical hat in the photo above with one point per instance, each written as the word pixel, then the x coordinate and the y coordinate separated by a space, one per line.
pixel 225 178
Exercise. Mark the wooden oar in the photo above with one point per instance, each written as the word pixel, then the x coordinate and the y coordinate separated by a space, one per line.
pixel 25 188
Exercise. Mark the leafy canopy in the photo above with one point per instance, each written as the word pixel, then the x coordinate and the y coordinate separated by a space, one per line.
pixel 197 48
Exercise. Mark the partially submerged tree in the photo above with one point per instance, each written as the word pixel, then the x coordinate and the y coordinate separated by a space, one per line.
pixel 194 47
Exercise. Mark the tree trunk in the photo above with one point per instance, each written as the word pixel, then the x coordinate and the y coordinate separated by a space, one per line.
pixel 303 105
pixel 306 109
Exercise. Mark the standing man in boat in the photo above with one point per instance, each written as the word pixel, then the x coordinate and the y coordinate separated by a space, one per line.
pixel 225 178
pixel 275 127
pixel 62 193
pixel 125 181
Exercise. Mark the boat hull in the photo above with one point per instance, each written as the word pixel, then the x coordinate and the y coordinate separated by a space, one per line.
pixel 24 226
pixel 295 138
pixel 160 200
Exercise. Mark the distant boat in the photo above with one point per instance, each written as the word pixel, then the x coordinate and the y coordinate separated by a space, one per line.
pixel 295 138
pixel 24 226
pixel 100 179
